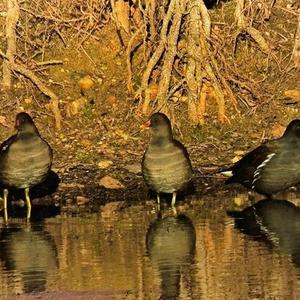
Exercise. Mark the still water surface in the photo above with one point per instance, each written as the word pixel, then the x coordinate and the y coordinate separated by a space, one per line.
pixel 202 252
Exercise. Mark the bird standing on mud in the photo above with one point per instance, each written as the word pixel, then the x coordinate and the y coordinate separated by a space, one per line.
pixel 273 166
pixel 166 166
pixel 25 160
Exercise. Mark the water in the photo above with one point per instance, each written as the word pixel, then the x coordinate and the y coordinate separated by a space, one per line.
pixel 202 252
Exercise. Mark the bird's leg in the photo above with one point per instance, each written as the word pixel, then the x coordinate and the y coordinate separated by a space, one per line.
pixel 28 203
pixel 158 201
pixel 5 194
pixel 173 199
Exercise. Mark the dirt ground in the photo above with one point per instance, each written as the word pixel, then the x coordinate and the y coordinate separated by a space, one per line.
pixel 101 133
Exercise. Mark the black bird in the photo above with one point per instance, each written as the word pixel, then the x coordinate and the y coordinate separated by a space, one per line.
pixel 275 222
pixel 166 166
pixel 273 166
pixel 170 243
pixel 25 160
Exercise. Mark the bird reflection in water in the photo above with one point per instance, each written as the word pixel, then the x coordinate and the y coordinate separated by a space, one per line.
pixel 276 222
pixel 28 254
pixel 170 245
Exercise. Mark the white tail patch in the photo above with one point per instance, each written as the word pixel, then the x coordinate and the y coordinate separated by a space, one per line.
pixel 256 175
pixel 227 173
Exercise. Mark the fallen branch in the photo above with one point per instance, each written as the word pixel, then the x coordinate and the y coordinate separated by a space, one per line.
pixel 49 62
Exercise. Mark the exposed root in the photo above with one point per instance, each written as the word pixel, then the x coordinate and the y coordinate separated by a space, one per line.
pixel 190 68
pixel 13 12
pixel 244 26
pixel 296 51
pixel 171 51
pixel 132 44
pixel 144 91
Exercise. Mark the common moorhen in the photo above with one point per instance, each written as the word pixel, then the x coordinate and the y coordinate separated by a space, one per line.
pixel 25 160
pixel 166 166
pixel 273 166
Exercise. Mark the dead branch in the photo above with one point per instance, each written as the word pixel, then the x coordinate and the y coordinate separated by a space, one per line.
pixel 49 62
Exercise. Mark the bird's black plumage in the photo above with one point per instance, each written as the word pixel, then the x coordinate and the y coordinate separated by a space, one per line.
pixel 271 167
pixel 25 158
pixel 166 166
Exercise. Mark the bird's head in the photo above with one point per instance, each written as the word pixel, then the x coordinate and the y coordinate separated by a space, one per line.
pixel 160 125
pixel 24 123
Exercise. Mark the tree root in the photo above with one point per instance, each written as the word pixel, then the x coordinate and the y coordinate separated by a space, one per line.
pixel 144 91
pixel 170 53
pixel 13 13
pixel 296 51
pixel 244 27
pixel 132 44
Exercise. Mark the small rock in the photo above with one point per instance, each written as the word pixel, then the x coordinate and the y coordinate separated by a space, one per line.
pixel 82 200
pixel 111 208
pixel 104 164
pixel 292 94
pixel 134 168
pixel 3 121
pixel 28 100
pixel 110 183
pixel 239 152
pixel 71 185
pixel 75 107
pixel 85 142
pixel 85 83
